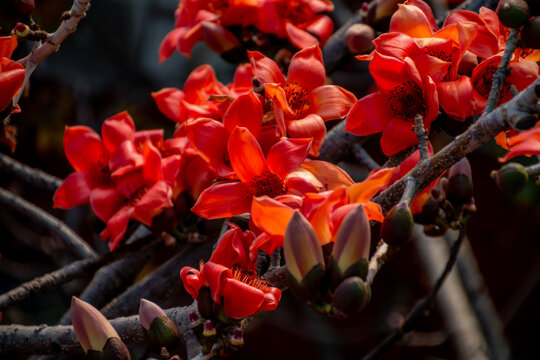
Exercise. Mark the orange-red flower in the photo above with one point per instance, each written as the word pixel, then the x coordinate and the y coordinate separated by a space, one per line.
pixel 403 93
pixel 191 15
pixel 300 21
pixel 11 72
pixel 524 143
pixel 241 293
pixel 233 248
pixel 258 176
pixel 302 102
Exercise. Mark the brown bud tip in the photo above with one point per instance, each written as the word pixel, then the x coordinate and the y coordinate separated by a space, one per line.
pixel 513 13
pixel 359 37
pixel 397 227
pixel 511 178
pixel 351 296
pixel 530 34
pixel 115 349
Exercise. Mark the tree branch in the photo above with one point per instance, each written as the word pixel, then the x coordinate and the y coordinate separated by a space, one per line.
pixel 74 243
pixel 506 116
pixel 74 270
pixel 35 177
pixel 502 71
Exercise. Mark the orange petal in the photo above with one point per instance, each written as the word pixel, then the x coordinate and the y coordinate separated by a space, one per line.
pixel 245 154
pixel 270 215
pixel 287 155
pixel 223 200
pixel 236 114
pixel 365 190
pixel 331 176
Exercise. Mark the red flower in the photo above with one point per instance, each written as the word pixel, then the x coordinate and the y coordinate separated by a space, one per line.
pixel 300 21
pixel 190 18
pixel 522 74
pixel 11 72
pixel 403 93
pixel 203 95
pixel 523 143
pixel 233 248
pixel 302 102
pixel 258 176
pixel 241 293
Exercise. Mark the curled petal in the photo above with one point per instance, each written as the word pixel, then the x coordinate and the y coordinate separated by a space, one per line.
pixel 307 69
pixel 216 275
pixel 191 278
pixel 270 215
pixel 116 130
pixel 312 126
pixel 169 102
pixel 331 176
pixel 117 226
pixel 241 300
pixel 332 102
pixel 83 147
pixel 411 20
pixel 265 69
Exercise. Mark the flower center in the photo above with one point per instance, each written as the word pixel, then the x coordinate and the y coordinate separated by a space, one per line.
pixel 406 100
pixel 297 12
pixel 100 174
pixel 297 97
pixel 248 277
pixel 268 184
pixel 482 84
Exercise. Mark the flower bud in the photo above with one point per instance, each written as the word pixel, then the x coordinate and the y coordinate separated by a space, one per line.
pixel 351 296
pixel 237 337
pixel 204 302
pixel 530 34
pixel 115 349
pixel 160 330
pixel 429 213
pixel 397 227
pixel 511 178
pixel 209 337
pixel 92 329
pixel 459 190
pixel 21 30
pixel 513 13
pixel 351 247
pixel 303 257
pixel 359 37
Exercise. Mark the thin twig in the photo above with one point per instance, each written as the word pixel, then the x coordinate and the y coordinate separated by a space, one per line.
pixel 486 313
pixel 421 134
pixel 363 158
pixel 506 116
pixel 376 261
pixel 421 307
pixel 502 71
pixel 73 242
pixel 72 271
pixel 35 177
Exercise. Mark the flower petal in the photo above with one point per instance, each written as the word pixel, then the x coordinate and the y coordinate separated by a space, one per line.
pixel 241 300
pixel 265 69
pixel 223 200
pixel 116 130
pixel 331 102
pixel 106 201
pixel 83 147
pixel 247 104
pixel 312 126
pixel 369 115
pixel 169 102
pixel 307 69
pixel 287 155
pixel 192 280
pixel 117 226
pixel 245 154
pixel 74 191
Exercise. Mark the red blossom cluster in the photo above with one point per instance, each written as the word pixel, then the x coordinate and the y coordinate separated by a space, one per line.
pixel 418 68
pixel 302 22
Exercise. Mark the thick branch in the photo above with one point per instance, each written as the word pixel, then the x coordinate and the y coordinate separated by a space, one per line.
pixel 72 271
pixel 506 116
pixel 61 339
pixel 30 175
pixel 77 245
pixel 339 143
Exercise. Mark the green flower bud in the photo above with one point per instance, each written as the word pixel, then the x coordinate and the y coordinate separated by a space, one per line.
pixel 530 34
pixel 513 13
pixel 511 178
pixel 351 296
pixel 115 349
pixel 303 257
pixel 397 227
pixel 359 37
pixel 459 190
pixel 351 247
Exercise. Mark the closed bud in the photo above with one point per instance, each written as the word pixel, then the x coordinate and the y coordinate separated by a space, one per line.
pixel 237 337
pixel 209 337
pixel 397 226
pixel 303 257
pixel 429 212
pixel 160 330
pixel 92 329
pixel 205 303
pixel 194 320
pixel 511 178
pixel 351 247
pixel 513 13
pixel 21 30
pixel 459 190
pixel 209 328
pixel 359 37
pixel 351 296
pixel 530 34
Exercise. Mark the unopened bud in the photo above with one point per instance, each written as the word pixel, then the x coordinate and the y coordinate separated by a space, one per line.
pixel 513 13
pixel 397 227
pixel 21 30
pixel 351 247
pixel 209 328
pixel 92 329
pixel 115 349
pixel 460 187
pixel 429 211
pixel 148 311
pixel 303 257
pixel 530 34
pixel 351 296
pixel 359 37
pixel 511 178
